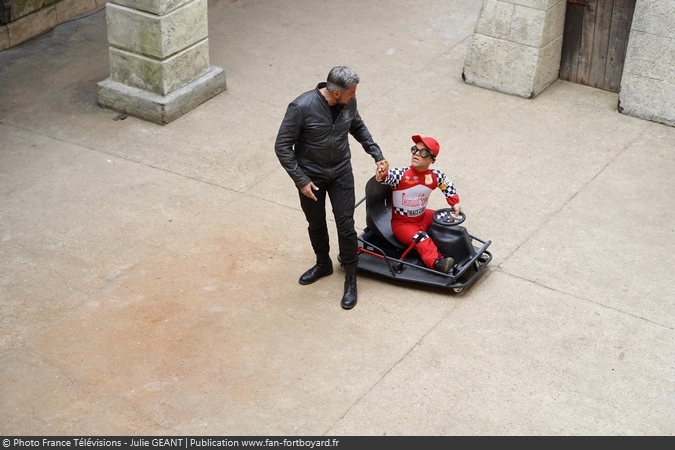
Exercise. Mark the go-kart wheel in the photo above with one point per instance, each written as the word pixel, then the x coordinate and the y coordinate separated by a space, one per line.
pixel 457 290
pixel 447 218
pixel 482 259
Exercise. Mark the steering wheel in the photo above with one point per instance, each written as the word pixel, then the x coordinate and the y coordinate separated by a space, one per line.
pixel 446 217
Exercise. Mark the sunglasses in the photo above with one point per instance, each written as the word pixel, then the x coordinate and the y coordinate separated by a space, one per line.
pixel 424 153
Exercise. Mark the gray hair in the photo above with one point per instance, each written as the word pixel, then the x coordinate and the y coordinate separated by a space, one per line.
pixel 341 78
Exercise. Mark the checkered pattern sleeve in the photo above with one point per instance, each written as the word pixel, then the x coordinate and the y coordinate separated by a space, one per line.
pixel 446 186
pixel 394 177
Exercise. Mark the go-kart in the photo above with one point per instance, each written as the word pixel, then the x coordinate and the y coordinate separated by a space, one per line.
pixel 381 253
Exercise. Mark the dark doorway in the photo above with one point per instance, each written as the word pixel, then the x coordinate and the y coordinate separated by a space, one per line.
pixel 595 41
pixel 5 10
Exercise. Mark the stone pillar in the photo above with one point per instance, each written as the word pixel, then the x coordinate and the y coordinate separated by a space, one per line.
pixel 159 59
pixel 648 81
pixel 516 46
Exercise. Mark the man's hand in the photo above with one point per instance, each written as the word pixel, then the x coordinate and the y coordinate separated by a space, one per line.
pixel 307 190
pixel 457 208
pixel 382 170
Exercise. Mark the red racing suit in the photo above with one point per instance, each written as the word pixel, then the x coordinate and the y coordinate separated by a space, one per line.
pixel 410 217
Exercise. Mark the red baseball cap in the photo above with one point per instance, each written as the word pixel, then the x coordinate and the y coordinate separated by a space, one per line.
pixel 431 143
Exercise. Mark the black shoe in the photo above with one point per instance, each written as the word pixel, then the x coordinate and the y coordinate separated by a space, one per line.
pixel 444 264
pixel 349 298
pixel 321 269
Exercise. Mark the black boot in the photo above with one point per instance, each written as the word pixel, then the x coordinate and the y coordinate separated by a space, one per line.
pixel 320 269
pixel 444 264
pixel 349 297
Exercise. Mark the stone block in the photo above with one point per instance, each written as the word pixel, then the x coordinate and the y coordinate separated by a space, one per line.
pixel 160 77
pixel 548 65
pixel 4 37
pixel 161 109
pixel 527 26
pixel 158 7
pixel 501 65
pixel 655 17
pixel 156 36
pixel 519 24
pixel 494 19
pixel 542 5
pixel 650 56
pixel 32 25
pixel 648 80
pixel 67 9
pixel 23 8
pixel 648 98
pixel 554 23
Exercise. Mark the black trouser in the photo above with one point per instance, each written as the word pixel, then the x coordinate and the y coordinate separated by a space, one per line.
pixel 340 189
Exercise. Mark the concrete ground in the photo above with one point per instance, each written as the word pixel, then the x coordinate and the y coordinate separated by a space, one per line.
pixel 148 274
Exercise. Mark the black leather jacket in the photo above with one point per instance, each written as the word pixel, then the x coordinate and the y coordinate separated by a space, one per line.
pixel 311 147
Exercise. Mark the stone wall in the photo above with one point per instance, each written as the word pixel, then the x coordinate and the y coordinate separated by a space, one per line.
pixel 648 82
pixel 516 46
pixel 30 18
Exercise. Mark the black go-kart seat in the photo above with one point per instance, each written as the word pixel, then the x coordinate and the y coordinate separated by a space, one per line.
pixel 378 211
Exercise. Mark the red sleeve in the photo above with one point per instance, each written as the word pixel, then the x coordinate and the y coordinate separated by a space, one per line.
pixel 453 200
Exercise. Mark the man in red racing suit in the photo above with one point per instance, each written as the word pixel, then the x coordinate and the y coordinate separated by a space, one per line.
pixel 411 187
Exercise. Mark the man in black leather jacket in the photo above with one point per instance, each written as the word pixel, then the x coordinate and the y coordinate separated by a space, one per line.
pixel 313 146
